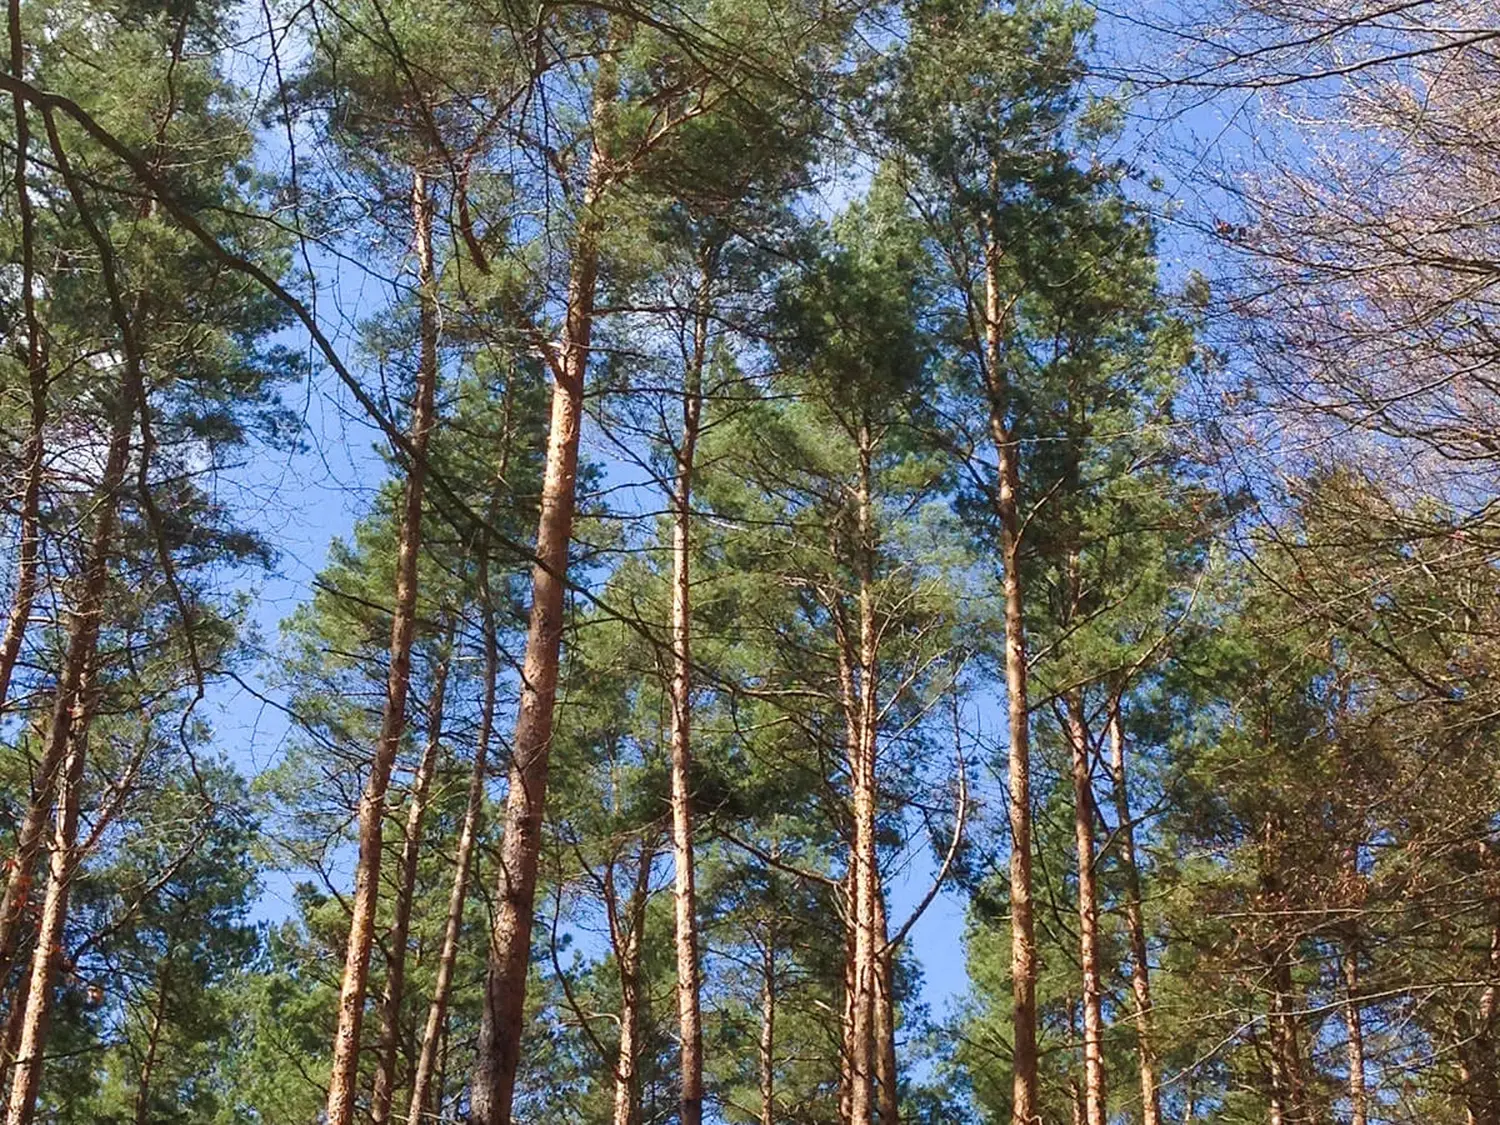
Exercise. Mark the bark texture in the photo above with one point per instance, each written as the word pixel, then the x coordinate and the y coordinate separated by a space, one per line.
pixel 411 850
pixel 1088 911
pixel 690 1022
pixel 1140 968
pixel 502 1018
pixel 342 1084
pixel 1025 1109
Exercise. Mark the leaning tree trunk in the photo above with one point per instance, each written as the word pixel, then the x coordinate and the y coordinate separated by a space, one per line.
pixel 411 850
pixel 498 1053
pixel 63 742
pixel 48 955
pixel 690 1023
pixel 346 1042
pixel 1088 910
pixel 1140 969
pixel 1025 1108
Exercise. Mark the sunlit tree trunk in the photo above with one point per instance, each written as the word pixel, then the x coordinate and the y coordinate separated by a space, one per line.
pixel 1354 1027
pixel 766 1054
pixel 690 1024
pixel 1088 909
pixel 351 1009
pixel 1140 967
pixel 411 850
pixel 498 1052
pixel 48 955
pixel 1025 1108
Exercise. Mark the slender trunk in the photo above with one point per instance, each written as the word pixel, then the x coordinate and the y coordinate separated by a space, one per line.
pixel 628 937
pixel 1088 911
pixel 1025 1109
pixel 887 1085
pixel 71 712
pixel 48 955
pixel 468 833
pixel 851 1001
pixel 411 849
pixel 857 678
pixel 148 1064
pixel 37 377
pixel 1140 968
pixel 343 1081
pixel 498 1051
pixel 1355 1025
pixel 1286 1060
pixel 690 1025
pixel 767 1047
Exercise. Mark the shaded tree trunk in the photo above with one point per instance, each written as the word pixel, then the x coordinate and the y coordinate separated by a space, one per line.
pixel 37 379
pixel 1140 968
pixel 1088 909
pixel 501 1022
pixel 411 850
pixel 346 1043
pixel 148 1064
pixel 628 933
pixel 437 1012
pixel 1025 1106
pixel 690 1023
pixel 887 1083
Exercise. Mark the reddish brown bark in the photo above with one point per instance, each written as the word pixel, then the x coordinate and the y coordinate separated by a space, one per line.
pixel 1025 1107
pixel 346 1043
pixel 1140 969
pixel 887 1080
pixel 48 955
pixel 1088 911
pixel 501 1022
pixel 690 1024
pixel 411 850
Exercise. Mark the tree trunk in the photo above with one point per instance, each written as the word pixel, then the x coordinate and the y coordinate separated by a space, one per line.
pixel 71 712
pixel 148 1064
pixel 37 378
pixel 1025 1109
pixel 1088 910
pixel 690 1025
pixel 857 679
pixel 887 1080
pixel 1287 1094
pixel 468 833
pixel 1354 1024
pixel 411 849
pixel 1476 1048
pixel 48 955
pixel 628 934
pixel 498 1052
pixel 766 1055
pixel 346 1042
pixel 1140 969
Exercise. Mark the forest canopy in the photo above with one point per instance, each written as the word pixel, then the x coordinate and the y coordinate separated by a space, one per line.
pixel 749 562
